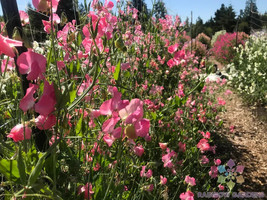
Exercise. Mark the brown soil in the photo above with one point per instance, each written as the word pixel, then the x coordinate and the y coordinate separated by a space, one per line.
pixel 247 143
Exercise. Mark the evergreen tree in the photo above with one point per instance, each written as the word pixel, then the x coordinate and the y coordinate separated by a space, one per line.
pixel 198 27
pixel 159 9
pixel 225 19
pixel 251 15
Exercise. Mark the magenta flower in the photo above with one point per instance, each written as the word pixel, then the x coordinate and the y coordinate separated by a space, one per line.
pixel 217 161
pixel 173 48
pixel 190 180
pixel 203 145
pixel 17 133
pixel 24 18
pixel 163 146
pixel 133 114
pixel 213 171
pixel 27 102
pixel 45 122
pixel 187 195
pixel 167 159
pixel 33 64
pixel 6 46
pixel 109 139
pixel 147 174
pixel 47 102
pixel 7 65
pixel 87 190
pixel 221 187
pixel 109 125
pixel 163 180
pixel 182 147
pixel 113 104
pixel 45 5
pixel 204 160
pixel 139 150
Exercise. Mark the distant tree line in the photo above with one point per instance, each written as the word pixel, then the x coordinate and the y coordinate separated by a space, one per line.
pixel 226 19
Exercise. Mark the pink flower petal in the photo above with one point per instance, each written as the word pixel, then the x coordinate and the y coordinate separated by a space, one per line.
pixel 108 125
pixel 45 122
pixel 17 133
pixel 6 45
pixel 47 102
pixel 27 102
pixel 142 127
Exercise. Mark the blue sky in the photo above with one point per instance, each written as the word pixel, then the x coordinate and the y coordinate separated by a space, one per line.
pixel 203 8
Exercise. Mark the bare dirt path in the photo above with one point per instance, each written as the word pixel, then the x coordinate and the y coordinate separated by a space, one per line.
pixel 247 142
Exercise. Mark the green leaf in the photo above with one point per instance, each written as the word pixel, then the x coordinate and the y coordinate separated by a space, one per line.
pixel 79 39
pixel 117 71
pixel 21 167
pixel 36 171
pixel 154 115
pixel 147 63
pixel 177 101
pixel 79 125
pixel 9 169
pixel 38 168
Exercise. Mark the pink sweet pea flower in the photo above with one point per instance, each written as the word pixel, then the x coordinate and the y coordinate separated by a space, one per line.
pixel 203 145
pixel 217 161
pixel 190 180
pixel 87 190
pixel 204 160
pixel 6 46
pixel 27 102
pixel 24 17
pixel 148 174
pixel 187 195
pixel 47 102
pixel 45 5
pixel 33 64
pixel 113 104
pixel 45 122
pixel 109 139
pixel 167 159
pixel 8 66
pixel 125 66
pixel 163 180
pixel 108 125
pixel 139 150
pixel 47 26
pixel 133 114
pixel 163 146
pixel 173 48
pixel 17 133
pixel 56 19
pixel 221 187
pixel 182 147
pixel 109 4
pixel 213 171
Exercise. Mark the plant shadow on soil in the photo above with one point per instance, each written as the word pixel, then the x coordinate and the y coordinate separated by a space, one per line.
pixel 226 150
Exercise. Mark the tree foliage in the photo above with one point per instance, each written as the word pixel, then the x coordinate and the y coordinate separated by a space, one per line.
pixel 160 10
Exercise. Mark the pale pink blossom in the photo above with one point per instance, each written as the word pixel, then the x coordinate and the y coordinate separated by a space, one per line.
pixel 190 180
pixel 187 195
pixel 24 17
